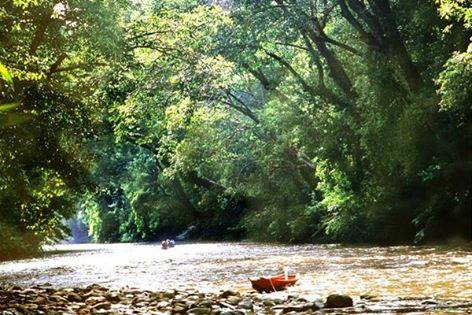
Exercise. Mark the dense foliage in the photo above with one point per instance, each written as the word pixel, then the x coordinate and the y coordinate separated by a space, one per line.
pixel 49 54
pixel 285 120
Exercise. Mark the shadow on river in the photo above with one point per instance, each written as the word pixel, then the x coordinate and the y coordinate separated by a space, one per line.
pixel 405 272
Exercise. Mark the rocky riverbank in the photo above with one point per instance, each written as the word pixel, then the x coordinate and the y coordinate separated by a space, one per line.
pixel 95 299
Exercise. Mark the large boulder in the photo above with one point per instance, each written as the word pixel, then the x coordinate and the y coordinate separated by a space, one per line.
pixel 338 301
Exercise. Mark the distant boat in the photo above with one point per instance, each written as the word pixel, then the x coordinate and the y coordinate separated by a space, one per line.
pixel 275 283
pixel 167 244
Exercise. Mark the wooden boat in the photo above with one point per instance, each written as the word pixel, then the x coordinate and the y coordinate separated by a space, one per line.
pixel 275 283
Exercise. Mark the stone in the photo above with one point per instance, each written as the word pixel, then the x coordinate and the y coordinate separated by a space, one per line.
pixel 204 303
pixel 50 290
pixel 297 308
pixel 74 297
pixel 29 291
pixel 200 311
pixel 246 304
pixel 31 307
pixel 113 297
pixel 193 297
pixel 279 301
pixel 163 304
pixel 227 293
pixel 169 294
pixel 95 300
pixel 338 301
pixel 179 308
pixel 40 300
pixel 268 303
pixel 102 306
pixel 233 300
pixel 140 299
pixel 368 297
pixel 95 287
pixel 58 299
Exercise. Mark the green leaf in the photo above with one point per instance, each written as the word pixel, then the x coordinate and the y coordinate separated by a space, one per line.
pixel 9 106
pixel 6 74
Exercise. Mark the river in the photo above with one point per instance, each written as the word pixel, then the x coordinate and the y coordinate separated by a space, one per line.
pixel 402 271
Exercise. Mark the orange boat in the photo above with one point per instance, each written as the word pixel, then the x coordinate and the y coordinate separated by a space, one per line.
pixel 275 283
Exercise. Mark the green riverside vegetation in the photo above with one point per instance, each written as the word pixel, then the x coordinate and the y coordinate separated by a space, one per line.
pixel 286 120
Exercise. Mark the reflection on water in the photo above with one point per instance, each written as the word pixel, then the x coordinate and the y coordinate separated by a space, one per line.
pixel 388 271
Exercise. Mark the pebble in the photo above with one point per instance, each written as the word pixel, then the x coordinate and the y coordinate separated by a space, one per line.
pixel 200 311
pixel 40 300
pixel 228 293
pixel 268 303
pixel 95 300
pixel 338 301
pixel 102 305
pixel 74 297
pixel 246 304
pixel 234 300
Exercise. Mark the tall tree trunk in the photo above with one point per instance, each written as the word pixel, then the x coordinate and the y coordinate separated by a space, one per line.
pixel 394 45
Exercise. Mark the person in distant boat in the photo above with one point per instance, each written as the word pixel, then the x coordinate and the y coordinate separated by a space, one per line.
pixel 165 244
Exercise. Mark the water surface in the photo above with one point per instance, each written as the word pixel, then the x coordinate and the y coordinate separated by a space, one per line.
pixel 436 272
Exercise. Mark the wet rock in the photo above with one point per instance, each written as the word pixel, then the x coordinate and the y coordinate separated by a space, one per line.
pixel 102 306
pixel 192 297
pixel 338 301
pixel 95 300
pixel 58 299
pixel 169 294
pixel 40 300
pixel 298 300
pixel 268 303
pixel 29 291
pixel 31 307
pixel 140 300
pixel 227 293
pixel 200 311
pixel 298 308
pixel 231 312
pixel 19 308
pixel 113 297
pixel 95 287
pixel 429 302
pixel 205 303
pixel 74 297
pixel 233 300
pixel 368 297
pixel 281 301
pixel 246 304
pixel 179 308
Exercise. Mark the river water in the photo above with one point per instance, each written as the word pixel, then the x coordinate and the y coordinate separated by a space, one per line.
pixel 434 272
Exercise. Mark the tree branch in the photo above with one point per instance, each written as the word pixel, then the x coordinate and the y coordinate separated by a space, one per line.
pixel 305 86
pixel 44 22
pixel 55 66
